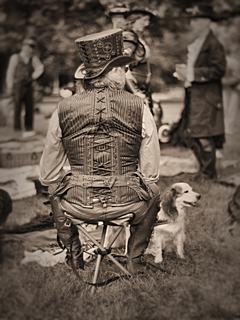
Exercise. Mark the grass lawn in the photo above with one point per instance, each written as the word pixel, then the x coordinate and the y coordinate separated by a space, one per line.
pixel 206 285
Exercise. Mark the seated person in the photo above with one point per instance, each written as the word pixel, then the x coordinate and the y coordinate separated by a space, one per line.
pixel 110 140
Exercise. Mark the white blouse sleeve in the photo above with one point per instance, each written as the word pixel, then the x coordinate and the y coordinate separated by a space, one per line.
pixel 149 161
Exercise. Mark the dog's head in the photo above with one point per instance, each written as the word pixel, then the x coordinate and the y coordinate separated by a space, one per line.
pixel 178 196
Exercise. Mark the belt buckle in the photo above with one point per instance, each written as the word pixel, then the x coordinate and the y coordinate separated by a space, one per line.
pixel 67 223
pixel 95 200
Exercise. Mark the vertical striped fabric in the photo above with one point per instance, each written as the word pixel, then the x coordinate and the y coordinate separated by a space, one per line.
pixel 101 132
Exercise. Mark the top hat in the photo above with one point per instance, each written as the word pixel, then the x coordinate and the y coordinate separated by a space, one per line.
pixel 119 8
pixel 101 51
pixel 30 42
pixel 203 10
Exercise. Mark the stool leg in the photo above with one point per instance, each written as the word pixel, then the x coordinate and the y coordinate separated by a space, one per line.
pixel 118 265
pixel 112 240
pixel 110 255
pixel 98 262
pixel 96 272
pixel 99 256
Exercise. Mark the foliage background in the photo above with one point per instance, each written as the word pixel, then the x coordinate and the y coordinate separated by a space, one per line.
pixel 57 23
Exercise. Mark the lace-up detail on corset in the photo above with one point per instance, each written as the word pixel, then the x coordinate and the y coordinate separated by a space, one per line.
pixel 102 137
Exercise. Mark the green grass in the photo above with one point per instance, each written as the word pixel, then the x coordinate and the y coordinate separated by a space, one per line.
pixel 206 285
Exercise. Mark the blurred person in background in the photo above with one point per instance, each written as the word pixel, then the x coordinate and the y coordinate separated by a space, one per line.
pixel 231 92
pixel 140 76
pixel 23 68
pixel 203 114
pixel 133 23
pixel 118 14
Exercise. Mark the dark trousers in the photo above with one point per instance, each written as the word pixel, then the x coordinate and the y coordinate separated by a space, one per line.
pixel 205 152
pixel 23 95
pixel 67 232
pixel 204 148
pixel 140 233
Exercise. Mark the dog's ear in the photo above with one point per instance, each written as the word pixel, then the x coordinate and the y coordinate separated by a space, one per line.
pixel 168 203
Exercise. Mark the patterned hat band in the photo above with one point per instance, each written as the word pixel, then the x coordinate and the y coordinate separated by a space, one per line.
pixel 100 51
pixel 93 72
pixel 99 60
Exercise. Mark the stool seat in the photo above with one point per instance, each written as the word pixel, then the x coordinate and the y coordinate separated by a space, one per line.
pixel 115 222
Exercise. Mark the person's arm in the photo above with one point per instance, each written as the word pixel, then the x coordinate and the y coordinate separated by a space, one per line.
pixel 13 61
pixel 38 68
pixel 215 65
pixel 54 155
pixel 149 160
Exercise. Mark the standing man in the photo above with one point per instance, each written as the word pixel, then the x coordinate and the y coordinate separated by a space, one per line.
pixel 24 67
pixel 203 112
pixel 110 140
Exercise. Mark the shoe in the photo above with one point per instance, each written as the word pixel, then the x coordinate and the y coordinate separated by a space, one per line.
pixel 27 134
pixel 75 262
pixel 136 265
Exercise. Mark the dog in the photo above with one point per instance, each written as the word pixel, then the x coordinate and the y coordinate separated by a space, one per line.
pixel 170 227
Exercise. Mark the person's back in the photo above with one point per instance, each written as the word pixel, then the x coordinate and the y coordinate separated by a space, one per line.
pixel 107 139
pixel 110 140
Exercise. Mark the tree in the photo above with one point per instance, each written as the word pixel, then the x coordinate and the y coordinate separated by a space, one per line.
pixel 57 23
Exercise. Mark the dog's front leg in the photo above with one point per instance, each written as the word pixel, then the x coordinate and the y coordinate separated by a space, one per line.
pixel 179 242
pixel 158 250
pixel 127 236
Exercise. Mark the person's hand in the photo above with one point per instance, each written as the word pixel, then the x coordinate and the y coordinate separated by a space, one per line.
pixel 181 72
pixel 34 77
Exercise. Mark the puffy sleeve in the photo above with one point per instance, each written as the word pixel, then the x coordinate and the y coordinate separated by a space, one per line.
pixel 149 159
pixel 54 156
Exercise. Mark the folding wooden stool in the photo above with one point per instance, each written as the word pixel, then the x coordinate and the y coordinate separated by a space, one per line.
pixel 103 248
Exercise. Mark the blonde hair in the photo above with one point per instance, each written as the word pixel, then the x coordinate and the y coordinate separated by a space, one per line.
pixel 103 82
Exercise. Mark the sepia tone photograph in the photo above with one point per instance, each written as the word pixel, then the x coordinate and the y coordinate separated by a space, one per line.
pixel 119 160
